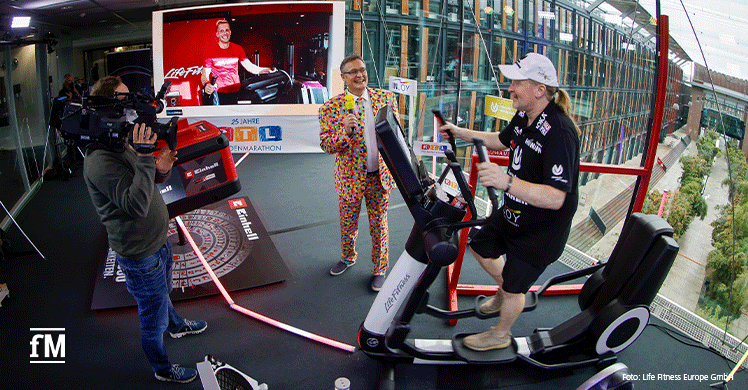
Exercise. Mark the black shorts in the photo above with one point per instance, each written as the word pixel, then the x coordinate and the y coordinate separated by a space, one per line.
pixel 525 258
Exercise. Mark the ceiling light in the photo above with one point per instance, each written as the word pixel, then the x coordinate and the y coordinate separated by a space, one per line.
pixel 728 39
pixel 41 4
pixel 20 21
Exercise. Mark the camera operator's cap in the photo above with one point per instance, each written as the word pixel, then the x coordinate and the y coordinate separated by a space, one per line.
pixel 532 66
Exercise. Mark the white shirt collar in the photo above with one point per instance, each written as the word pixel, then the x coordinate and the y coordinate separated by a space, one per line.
pixel 365 95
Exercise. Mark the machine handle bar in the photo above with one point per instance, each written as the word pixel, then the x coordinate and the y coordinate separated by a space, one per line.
pixel 483 157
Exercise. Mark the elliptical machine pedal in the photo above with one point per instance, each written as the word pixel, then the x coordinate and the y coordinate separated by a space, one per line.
pixel 494 356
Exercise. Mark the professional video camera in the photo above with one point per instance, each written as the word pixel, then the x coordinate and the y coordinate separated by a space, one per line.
pixel 109 122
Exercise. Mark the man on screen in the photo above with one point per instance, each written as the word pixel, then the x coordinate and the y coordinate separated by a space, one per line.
pixel 221 68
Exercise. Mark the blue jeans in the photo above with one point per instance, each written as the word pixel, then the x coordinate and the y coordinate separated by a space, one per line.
pixel 149 282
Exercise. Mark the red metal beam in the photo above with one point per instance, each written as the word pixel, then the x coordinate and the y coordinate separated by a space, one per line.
pixel 662 69
pixel 559 289
pixel 583 166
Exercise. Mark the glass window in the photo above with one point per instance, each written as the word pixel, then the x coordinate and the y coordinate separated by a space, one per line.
pixel 434 66
pixel 589 70
pixel 369 38
pixel 509 56
pixel 468 13
pixel 414 52
pixel 415 8
pixel 453 61
pixel 393 7
pixel 392 52
pixel 519 11
pixel 498 14
pixel 453 11
pixel 435 8
pixel 509 15
pixel 546 25
pixel 469 54
pixel 496 56
pixel 22 148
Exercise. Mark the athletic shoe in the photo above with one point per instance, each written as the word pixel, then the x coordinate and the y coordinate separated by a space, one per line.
pixel 487 341
pixel 376 282
pixel 190 327
pixel 177 374
pixel 493 304
pixel 340 267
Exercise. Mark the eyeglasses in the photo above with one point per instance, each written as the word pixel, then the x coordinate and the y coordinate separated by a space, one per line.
pixel 354 72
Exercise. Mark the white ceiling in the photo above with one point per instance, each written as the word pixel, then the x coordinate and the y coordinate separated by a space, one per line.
pixel 68 15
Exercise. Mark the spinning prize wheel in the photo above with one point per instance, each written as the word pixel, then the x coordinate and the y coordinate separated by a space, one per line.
pixel 223 245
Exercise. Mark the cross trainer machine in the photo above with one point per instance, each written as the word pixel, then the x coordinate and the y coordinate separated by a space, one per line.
pixel 614 301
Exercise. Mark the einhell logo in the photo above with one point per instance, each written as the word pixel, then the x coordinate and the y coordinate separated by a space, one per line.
pixel 47 345
pixel 192 173
pixel 237 203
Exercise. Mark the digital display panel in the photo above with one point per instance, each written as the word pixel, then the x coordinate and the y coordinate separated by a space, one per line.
pixel 269 58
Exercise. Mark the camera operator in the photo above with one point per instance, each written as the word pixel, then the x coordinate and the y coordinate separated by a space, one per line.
pixel 122 185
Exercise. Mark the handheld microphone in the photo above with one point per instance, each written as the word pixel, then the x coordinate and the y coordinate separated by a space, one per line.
pixel 349 103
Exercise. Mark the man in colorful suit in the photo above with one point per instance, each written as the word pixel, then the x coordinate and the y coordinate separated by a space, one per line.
pixel 347 130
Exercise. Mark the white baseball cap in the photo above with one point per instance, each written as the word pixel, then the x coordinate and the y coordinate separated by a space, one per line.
pixel 532 66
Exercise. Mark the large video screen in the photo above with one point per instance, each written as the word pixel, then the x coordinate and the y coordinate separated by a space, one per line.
pixel 254 58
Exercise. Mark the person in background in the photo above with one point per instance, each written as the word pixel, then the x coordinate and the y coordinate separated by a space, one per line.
pixel 68 88
pixel 80 86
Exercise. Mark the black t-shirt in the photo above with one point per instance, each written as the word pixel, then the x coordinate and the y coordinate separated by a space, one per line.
pixel 545 152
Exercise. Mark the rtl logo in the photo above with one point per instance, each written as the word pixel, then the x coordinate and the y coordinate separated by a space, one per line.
pixel 426 146
pixel 51 343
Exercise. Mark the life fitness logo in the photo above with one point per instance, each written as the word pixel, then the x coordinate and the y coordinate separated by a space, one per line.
pixel 177 73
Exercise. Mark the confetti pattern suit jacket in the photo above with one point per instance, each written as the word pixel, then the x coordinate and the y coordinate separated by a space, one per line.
pixel 350 151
